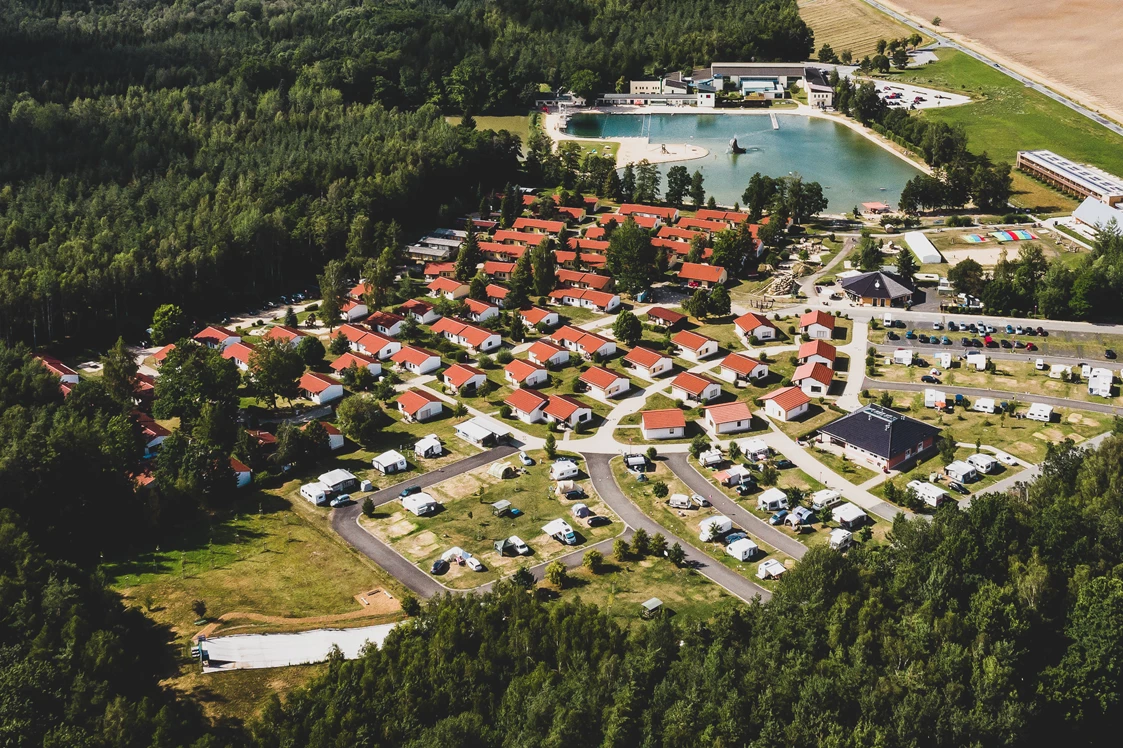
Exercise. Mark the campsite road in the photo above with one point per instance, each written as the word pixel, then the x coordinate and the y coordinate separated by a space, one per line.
pixel 600 473
pixel 696 482
pixel 1024 397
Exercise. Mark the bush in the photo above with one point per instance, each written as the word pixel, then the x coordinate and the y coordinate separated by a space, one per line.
pixel 368 507
pixel 504 357
pixel 551 446
pixel 641 543
pixel 556 573
pixel 659 488
pixel 620 549
pixel 486 362
pixel 504 411
pixel 652 453
pixel 592 560
pixel 676 555
pixel 658 545
pixel 411 606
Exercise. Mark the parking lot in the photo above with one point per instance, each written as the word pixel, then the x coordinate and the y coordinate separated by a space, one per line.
pixel 914 97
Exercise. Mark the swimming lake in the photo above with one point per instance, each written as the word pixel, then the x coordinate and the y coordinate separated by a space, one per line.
pixel 851 168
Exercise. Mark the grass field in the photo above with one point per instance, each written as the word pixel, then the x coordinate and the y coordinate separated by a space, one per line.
pixel 517 124
pixel 466 520
pixel 1007 117
pixel 850 24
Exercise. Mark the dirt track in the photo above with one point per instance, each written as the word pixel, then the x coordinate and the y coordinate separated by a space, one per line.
pixel 378 605
pixel 1068 44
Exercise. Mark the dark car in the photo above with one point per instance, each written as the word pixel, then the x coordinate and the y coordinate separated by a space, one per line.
pixel 1019 344
pixel 410 491
pixel 892 335
pixel 992 343
pixel 922 338
pixel 597 520
pixel 744 489
pixel 952 327
pixel 733 537
pixel 440 566
pixel 1042 332
pixel 965 342
pixel 778 517
pixel 972 327
pixel 576 493
pixel 784 464
pixel 958 487
pixel 929 379
pixel 1109 354
pixel 945 340
pixel 1005 343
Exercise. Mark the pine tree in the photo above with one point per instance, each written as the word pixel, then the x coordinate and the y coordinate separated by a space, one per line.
pixel 510 206
pixel 521 283
pixel 470 255
pixel 333 289
pixel 697 190
pixel 545 268
pixel 628 184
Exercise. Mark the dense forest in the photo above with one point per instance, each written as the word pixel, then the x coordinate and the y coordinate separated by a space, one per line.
pixel 998 625
pixel 195 152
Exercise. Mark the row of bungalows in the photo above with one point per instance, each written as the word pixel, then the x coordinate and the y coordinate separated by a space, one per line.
pixel 479 311
pixel 699 275
pixel 538 226
pixel 586 298
pixel 531 406
pixel 669 423
pixel 467 335
pixel 813 378
pixel 502 252
pixel 369 342
pixel 578 279
pixel 584 343
pixel 817 325
pixel 548 354
pixel 359 361
pixel 590 203
pixel 571 260
pixel 817 352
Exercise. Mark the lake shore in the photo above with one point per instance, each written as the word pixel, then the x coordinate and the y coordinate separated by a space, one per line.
pixel 633 150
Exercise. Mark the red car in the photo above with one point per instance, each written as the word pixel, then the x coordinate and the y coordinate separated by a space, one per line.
pixel 1031 347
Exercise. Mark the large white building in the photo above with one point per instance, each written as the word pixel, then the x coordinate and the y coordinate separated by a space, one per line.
pixel 1068 176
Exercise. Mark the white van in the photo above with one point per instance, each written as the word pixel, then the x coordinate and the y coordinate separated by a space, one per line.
pixel 887 319
pixel 681 501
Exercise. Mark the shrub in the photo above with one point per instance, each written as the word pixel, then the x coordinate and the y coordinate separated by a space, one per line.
pixel 368 507
pixel 556 573
pixel 592 560
pixel 504 411
pixel 652 453
pixel 411 606
pixel 676 555
pixel 659 488
pixel 620 549
pixel 504 357
pixel 641 542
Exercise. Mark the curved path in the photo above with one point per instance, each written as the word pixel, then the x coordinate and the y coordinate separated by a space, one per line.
pixel 605 484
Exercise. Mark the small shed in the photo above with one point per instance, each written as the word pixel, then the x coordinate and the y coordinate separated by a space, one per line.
pixel 389 462
pixel 850 516
pixel 500 508
pixel 651 608
pixel 742 550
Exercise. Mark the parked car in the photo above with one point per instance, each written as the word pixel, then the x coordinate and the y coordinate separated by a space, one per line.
pixel 342 499
pixel 892 336
pixel 1019 344
pixel 526 459
pixel 784 464
pixel 744 489
pixel 521 548
pixel 473 563
pixel 575 493
pixel 958 487
pixel 945 340
pixel 1041 331
pixel 1005 343
pixel 1109 354
pixel 965 342
pixel 699 500
pixel 778 517
pixel 440 566
pixel 597 520
pixel 952 327
pixel 937 326
pixel 922 338
pixel 929 379
pixel 409 491
pixel 1031 347
pixel 733 537
pixel 1005 459
pixel 1009 329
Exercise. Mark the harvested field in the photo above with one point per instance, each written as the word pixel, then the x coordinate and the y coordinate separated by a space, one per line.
pixel 1039 39
pixel 849 24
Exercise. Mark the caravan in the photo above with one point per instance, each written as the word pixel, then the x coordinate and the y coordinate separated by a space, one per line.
pixel 317 493
pixel 772 500
pixel 983 405
pixel 935 399
pixel 714 527
pixel 1040 412
pixel 903 356
pixel 983 463
pixel 680 501
pixel 931 495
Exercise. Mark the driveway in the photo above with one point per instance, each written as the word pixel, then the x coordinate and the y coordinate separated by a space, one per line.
pixel 610 493
pixel 699 484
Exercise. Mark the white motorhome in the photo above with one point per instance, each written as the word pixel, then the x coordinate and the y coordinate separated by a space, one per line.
pixel 903 356
pixel 1040 412
pixel 983 463
pixel 825 498
pixel 680 501
pixel 772 500
pixel 563 470
pixel 930 494
pixel 983 405
pixel 713 527
pixel 742 550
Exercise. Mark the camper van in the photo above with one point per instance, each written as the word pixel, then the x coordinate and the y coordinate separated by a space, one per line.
pixel 887 320
pixel 714 527
pixel 681 501
pixel 841 539
pixel 983 405
pixel 928 493
pixel 772 500
pixel 563 470
pixel 903 356
pixel 983 463
pixel 1040 412
pixel 826 498
pixel 317 493
pixel 559 530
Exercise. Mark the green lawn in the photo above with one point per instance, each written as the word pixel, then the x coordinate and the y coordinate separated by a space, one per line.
pixel 1008 117
pixel 848 469
pixel 466 520
pixel 1020 437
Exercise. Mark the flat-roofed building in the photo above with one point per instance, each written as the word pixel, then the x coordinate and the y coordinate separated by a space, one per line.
pixel 1068 176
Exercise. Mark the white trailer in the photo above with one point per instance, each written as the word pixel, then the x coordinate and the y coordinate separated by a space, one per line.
pixel 930 494
pixel 983 463
pixel 935 399
pixel 713 527
pixel 742 550
pixel 983 405
pixel 903 356
pixel 978 361
pixel 1040 412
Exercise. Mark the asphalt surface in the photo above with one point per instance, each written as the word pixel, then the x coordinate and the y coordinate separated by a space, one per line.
pixel 943 41
pixel 1023 397
pixel 749 522
pixel 999 354
pixel 605 484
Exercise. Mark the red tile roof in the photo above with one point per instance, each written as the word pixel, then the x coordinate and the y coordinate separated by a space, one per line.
pixel 351 357
pixel 239 467
pixel 493 267
pixel 644 357
pixel 818 371
pixel 518 237
pixel 599 377
pixel 647 222
pixel 667 315
pixel 563 406
pixel 316 383
pixel 600 298
pixel 788 398
pixel 412 354
pixel 544 351
pixel 474 335
pixel 691 340
pixel 239 352
pixel 534 315
pixel 587 340
pixel 514 251
pixel 495 291
pixel 416 306
pixel 674 232
pixel 214 334
pixel 478 307
pixel 434 269
pixel 708 214
pixel 740 363
pixel 699 272
pixel 594 232
pixel 520 369
pixel 384 319
pixel 442 285
pixel 353 333
pixel 817 317
pixel 817 348
pixel 667 214
pixel 729 412
pixel 285 333
pixel 161 354
pixel 458 374
pixel 695 384
pixel 411 401
pixel 751 321
pixel 525 401
pixel 55 366
pixel 591 245
pixel 671 418
pixel 592 280
pixel 698 223
pixel 575 214
pixel 550 227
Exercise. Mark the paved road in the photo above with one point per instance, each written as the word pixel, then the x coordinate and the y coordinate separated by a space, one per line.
pixel 605 483
pixel 1056 402
pixel 999 354
pixel 344 521
pixel 699 484
pixel 943 41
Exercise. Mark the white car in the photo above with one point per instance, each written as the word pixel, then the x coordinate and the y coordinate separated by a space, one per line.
pixel 699 500
pixel 521 548
pixel 937 326
pixel 474 563
pixel 526 459
pixel 1005 459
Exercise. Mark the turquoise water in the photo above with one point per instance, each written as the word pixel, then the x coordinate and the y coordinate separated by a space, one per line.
pixel 851 169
